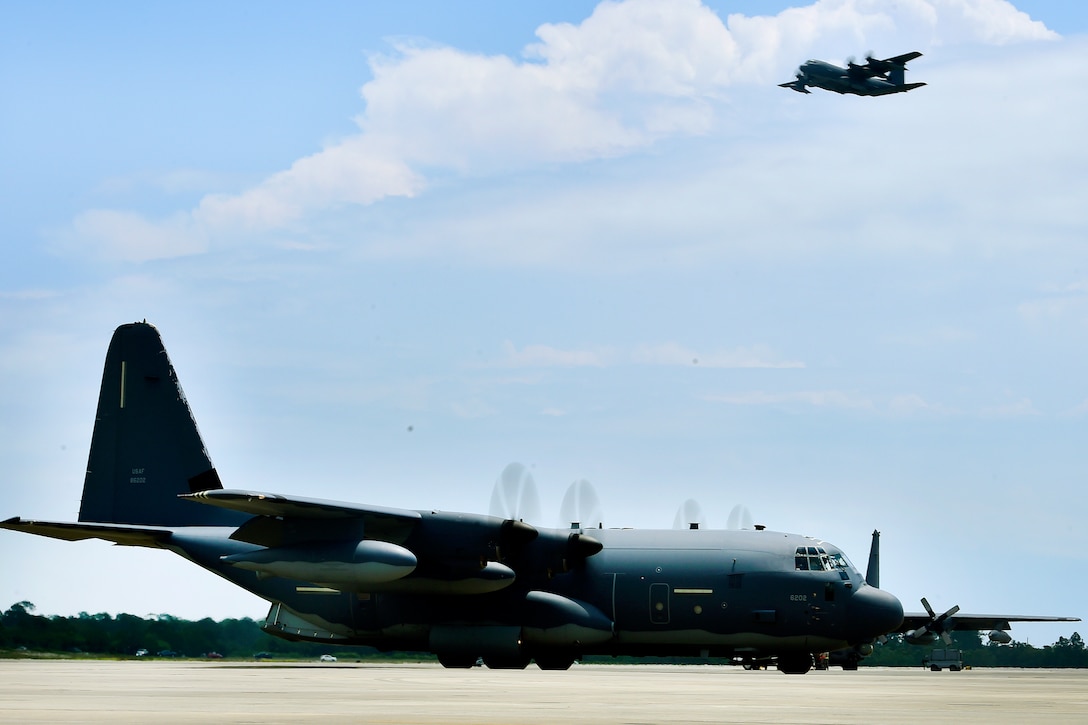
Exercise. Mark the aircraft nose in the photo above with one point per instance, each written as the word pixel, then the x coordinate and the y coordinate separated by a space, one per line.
pixel 873 612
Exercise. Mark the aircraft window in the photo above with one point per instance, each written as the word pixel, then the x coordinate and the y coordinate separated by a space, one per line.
pixel 811 558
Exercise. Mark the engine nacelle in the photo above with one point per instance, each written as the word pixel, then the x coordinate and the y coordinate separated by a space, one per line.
pixel 338 565
pixel 1000 636
pixel 920 636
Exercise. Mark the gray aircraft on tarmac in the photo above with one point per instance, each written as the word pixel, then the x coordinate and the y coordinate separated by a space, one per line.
pixel 871 78
pixel 468 586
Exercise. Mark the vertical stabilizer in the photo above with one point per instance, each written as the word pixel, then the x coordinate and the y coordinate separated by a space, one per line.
pixel 872 572
pixel 146 448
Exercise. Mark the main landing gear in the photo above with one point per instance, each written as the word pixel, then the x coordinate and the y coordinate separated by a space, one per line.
pixel 795 664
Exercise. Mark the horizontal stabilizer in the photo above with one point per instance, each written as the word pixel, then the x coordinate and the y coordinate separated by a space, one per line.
pixel 977 622
pixel 797 85
pixel 117 533
pixel 271 504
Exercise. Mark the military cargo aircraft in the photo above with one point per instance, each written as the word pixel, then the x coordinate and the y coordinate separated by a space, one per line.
pixel 871 78
pixel 465 586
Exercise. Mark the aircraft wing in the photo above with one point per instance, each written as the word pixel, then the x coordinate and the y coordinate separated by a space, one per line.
pixel 270 510
pixel 272 504
pixel 125 535
pixel 905 58
pixel 977 622
pixel 900 89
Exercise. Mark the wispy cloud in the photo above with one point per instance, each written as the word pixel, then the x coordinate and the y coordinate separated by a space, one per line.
pixel 913 404
pixel 815 398
pixel 1013 409
pixel 940 335
pixel 671 353
pixel 548 357
pixel 1065 302
pixel 665 354
pixel 130 237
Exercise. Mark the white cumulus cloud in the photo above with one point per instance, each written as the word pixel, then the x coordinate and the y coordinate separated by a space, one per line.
pixel 629 75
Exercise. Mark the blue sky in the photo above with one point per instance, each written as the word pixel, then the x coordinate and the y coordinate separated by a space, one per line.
pixel 597 240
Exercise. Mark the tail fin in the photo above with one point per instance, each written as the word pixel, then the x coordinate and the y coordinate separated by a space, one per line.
pixel 872 573
pixel 895 67
pixel 146 448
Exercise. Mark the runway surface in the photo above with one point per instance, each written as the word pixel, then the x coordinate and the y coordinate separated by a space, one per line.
pixel 73 691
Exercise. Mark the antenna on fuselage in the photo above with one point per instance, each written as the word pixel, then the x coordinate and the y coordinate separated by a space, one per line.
pixel 872 572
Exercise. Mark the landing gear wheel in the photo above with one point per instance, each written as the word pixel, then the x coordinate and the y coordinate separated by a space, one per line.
pixel 554 662
pixel 456 662
pixel 795 664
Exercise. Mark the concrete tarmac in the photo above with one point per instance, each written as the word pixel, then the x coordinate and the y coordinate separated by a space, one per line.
pixel 116 692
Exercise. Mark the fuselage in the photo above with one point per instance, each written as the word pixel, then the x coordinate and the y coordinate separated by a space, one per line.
pixel 830 77
pixel 696 593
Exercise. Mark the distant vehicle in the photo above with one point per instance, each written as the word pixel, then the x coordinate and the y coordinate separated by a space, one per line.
pixel 262 656
pixel 327 658
pixel 141 653
pixel 214 656
pixel 942 657
pixel 167 653
pixel 871 78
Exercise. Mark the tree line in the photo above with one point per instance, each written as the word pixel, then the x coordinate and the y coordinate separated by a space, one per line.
pixel 156 635
pixel 127 634
pixel 1066 652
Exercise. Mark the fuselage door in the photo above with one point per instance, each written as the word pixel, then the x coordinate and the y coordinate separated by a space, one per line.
pixel 659 603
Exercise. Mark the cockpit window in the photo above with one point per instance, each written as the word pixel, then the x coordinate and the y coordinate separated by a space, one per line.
pixel 816 558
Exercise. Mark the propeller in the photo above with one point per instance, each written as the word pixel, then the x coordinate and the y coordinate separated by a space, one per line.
pixel 937 626
pixel 515 496
pixel 581 506
pixel 689 516
pixel 739 518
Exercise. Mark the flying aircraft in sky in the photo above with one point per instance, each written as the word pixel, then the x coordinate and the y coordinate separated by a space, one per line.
pixel 469 586
pixel 871 78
